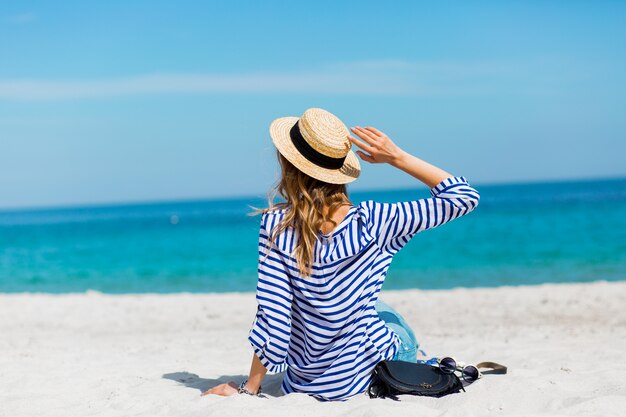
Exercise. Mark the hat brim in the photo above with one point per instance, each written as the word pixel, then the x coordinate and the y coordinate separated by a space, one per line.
pixel 279 132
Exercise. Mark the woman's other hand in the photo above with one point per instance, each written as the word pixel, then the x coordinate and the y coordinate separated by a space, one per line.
pixel 224 390
pixel 376 147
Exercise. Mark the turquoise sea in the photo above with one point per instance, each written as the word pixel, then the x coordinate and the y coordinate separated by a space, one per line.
pixel 520 234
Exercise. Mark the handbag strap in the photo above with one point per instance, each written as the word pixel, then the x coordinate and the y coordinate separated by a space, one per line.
pixel 496 368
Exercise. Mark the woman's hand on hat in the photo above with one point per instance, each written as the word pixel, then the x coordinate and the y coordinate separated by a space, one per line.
pixel 376 147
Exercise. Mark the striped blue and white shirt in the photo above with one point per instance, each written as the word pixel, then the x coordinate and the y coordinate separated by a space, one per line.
pixel 323 330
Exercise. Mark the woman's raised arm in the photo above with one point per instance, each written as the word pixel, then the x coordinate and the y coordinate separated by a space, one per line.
pixel 381 149
pixel 395 224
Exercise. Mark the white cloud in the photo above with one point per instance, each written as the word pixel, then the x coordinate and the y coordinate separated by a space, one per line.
pixel 376 77
pixel 21 18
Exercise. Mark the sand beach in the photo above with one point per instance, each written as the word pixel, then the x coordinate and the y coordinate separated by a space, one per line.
pixel 93 354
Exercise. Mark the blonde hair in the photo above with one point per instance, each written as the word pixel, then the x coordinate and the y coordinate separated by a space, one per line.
pixel 305 198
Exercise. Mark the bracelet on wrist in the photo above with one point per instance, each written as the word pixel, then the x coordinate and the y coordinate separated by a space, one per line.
pixel 244 390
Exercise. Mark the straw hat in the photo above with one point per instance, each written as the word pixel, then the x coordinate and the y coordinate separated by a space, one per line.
pixel 317 144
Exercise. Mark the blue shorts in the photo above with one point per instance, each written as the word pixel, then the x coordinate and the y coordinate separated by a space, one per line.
pixel 408 344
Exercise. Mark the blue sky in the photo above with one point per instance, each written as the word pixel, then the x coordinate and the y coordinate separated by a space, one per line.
pixel 150 100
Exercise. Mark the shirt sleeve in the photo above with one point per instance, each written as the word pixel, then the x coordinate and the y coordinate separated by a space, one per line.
pixel 271 327
pixel 394 224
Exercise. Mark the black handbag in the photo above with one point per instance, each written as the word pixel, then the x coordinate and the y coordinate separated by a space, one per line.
pixel 392 378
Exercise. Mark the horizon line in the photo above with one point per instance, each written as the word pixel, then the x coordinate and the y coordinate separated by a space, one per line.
pixel 157 201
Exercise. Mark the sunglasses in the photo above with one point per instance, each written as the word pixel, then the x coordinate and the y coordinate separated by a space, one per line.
pixel 469 373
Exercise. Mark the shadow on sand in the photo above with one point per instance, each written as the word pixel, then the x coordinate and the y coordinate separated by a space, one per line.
pixel 271 383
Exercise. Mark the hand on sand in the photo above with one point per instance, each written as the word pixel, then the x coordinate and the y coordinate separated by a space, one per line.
pixel 223 389
pixel 377 146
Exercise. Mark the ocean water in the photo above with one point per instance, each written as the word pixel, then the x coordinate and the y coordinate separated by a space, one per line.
pixel 519 234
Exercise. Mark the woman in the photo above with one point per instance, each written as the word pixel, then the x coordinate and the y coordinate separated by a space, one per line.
pixel 323 260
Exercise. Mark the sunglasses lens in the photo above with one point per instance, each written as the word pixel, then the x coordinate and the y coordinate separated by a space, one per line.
pixel 447 365
pixel 470 373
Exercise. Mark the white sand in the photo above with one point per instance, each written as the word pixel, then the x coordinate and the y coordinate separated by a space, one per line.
pixel 152 355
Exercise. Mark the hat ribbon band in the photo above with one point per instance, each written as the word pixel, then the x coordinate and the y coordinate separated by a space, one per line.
pixel 310 153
